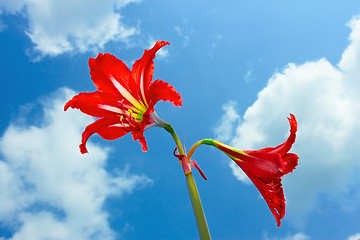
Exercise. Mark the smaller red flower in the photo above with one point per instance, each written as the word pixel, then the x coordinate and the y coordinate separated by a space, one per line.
pixel 125 98
pixel 265 167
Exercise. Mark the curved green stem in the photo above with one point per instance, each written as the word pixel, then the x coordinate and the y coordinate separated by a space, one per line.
pixel 204 141
pixel 193 192
pixel 170 129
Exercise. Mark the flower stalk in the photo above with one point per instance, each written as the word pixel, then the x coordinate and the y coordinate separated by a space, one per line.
pixel 193 192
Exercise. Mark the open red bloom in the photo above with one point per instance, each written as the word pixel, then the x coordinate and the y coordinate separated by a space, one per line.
pixel 265 167
pixel 125 98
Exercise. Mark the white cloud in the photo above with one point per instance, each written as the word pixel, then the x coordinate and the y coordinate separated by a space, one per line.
pixel 248 75
pixel 354 237
pixel 178 30
pixel 57 27
pixel 325 100
pixel 240 175
pixel 13 6
pixel 185 37
pixel 47 184
pixel 217 38
pixel 225 130
pixel 297 236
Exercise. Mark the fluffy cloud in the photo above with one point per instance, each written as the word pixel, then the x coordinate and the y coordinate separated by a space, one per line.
pixel 47 184
pixel 13 6
pixel 180 32
pixel 224 131
pixel 325 100
pixel 56 27
pixel 354 237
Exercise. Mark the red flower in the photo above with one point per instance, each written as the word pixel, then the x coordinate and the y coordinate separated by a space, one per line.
pixel 265 167
pixel 125 98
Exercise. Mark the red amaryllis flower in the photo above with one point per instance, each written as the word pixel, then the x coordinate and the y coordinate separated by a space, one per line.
pixel 265 167
pixel 125 98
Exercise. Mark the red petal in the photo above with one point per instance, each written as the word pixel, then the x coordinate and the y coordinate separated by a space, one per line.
pixel 93 104
pixel 263 165
pixel 105 66
pixel 139 135
pixel 290 161
pixel 106 128
pixel 143 69
pixel 270 188
pixel 265 170
pixel 160 90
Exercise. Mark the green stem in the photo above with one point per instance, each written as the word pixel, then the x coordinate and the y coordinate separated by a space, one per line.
pixel 170 129
pixel 193 192
pixel 197 208
pixel 204 141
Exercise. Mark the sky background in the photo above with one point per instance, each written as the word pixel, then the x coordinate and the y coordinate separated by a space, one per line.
pixel 241 67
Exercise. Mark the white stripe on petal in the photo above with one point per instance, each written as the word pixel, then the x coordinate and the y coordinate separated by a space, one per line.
pixel 142 87
pixel 121 125
pixel 126 94
pixel 111 108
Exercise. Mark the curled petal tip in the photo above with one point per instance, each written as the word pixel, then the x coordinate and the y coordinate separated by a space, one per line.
pixel 158 45
pixel 66 106
pixel 83 149
pixel 293 122
pixel 162 43
pixel 142 141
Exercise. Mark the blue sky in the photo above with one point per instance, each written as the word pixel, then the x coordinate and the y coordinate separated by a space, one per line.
pixel 241 68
